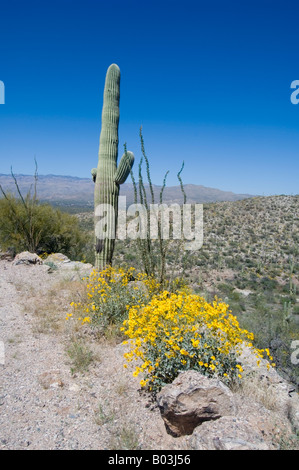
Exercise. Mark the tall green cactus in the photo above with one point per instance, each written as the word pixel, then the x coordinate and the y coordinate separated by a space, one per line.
pixel 108 176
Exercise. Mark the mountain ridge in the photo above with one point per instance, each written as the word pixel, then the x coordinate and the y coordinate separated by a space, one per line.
pixel 57 188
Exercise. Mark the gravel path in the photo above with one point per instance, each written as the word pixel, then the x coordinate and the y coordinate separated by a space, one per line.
pixel 43 406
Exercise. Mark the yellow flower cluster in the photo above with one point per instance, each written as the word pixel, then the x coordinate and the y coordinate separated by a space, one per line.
pixel 179 331
pixel 168 331
pixel 109 296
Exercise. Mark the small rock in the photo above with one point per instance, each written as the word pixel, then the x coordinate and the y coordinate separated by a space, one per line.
pixel 57 258
pixel 50 379
pixel 245 292
pixel 57 384
pixel 27 258
pixel 6 255
pixel 74 388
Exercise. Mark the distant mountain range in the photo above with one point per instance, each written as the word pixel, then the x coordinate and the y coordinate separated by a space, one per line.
pixel 71 190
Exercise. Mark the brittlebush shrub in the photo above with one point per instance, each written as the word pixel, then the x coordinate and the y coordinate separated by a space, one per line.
pixel 111 292
pixel 181 331
pixel 168 332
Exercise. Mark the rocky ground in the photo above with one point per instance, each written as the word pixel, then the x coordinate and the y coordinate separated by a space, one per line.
pixel 44 405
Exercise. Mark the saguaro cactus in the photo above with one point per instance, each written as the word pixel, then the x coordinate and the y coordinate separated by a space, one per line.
pixel 108 176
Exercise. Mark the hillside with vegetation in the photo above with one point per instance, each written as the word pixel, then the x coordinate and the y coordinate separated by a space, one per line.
pixel 249 258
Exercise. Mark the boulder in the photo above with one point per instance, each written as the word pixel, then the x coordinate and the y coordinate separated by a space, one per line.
pixel 286 395
pixel 27 258
pixel 227 433
pixel 71 270
pixel 57 258
pixel 245 292
pixel 191 399
pixel 6 255
pixel 261 414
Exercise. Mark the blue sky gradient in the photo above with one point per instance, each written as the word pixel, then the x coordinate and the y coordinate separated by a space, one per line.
pixel 208 81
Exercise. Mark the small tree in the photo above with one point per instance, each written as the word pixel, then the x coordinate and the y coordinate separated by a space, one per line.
pixel 26 224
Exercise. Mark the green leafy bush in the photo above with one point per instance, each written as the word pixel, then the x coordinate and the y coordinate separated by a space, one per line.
pixel 26 225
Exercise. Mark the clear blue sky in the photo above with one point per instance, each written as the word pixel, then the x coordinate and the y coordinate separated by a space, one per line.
pixel 209 81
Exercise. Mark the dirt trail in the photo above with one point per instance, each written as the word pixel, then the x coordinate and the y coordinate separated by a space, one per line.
pixel 43 406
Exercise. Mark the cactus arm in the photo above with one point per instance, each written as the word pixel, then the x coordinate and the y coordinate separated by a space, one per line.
pixel 123 170
pixel 94 174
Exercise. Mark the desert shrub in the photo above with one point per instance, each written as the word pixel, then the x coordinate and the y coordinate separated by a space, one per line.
pixel 81 356
pixel 296 310
pixel 110 293
pixel 268 284
pixel 180 331
pixel 39 228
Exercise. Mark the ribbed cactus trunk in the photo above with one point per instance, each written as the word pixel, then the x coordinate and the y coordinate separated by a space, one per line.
pixel 107 176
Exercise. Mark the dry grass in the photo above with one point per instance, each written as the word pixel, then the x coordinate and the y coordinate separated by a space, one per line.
pixel 258 391
pixel 48 308
pixel 80 354
pixel 124 438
